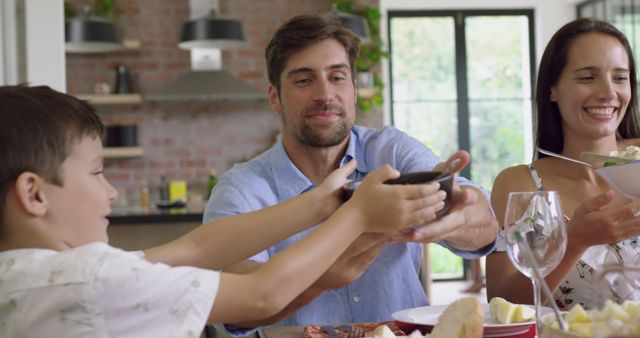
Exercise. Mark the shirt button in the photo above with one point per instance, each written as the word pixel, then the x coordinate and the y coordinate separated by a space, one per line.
pixel 356 299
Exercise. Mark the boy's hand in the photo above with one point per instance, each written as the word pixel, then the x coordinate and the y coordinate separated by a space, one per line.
pixel 331 189
pixel 386 207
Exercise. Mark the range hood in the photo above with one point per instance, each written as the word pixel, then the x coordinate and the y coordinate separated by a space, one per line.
pixel 206 81
pixel 206 85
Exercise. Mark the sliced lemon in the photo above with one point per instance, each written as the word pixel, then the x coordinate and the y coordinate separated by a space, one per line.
pixel 523 313
pixel 501 310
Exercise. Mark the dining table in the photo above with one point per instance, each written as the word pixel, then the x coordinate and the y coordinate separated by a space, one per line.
pixel 330 331
pixel 283 332
pixel 299 331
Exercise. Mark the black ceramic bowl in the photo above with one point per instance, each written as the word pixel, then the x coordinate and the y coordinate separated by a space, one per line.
pixel 420 177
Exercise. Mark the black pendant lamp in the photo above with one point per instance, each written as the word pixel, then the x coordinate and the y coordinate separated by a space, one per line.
pixel 211 31
pixel 355 23
pixel 91 34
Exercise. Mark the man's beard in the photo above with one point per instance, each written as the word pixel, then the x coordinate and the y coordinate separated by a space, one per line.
pixel 325 137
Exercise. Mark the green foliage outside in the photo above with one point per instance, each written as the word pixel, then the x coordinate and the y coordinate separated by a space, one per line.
pixel 444 264
pixel 499 92
pixel 425 98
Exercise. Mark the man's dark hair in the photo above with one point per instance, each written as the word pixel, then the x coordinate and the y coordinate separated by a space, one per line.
pixel 38 128
pixel 303 31
pixel 549 122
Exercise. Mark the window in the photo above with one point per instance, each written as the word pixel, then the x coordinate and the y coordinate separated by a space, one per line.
pixel 463 80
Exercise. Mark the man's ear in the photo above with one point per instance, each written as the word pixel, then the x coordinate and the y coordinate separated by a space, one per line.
pixel 274 99
pixel 30 193
pixel 355 90
pixel 552 95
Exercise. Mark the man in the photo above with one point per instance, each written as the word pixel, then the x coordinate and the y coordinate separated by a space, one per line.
pixel 310 63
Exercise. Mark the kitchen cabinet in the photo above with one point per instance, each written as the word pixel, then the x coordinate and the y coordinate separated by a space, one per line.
pixel 140 236
pixel 136 228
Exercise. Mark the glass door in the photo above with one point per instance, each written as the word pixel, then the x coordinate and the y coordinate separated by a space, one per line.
pixel 463 80
pixel 498 74
pixel 423 77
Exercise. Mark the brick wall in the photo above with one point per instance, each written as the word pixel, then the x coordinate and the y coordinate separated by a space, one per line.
pixel 186 139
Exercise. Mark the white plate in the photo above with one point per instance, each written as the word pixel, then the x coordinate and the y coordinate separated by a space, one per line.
pixel 623 178
pixel 428 315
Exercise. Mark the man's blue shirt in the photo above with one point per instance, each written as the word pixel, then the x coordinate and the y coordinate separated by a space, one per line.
pixel 391 282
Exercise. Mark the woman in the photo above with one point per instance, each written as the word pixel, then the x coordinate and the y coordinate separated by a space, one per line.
pixel 585 101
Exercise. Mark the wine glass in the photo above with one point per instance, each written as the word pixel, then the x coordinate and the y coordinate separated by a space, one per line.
pixel 535 219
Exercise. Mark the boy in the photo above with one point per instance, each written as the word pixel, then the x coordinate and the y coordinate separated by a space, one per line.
pixel 59 278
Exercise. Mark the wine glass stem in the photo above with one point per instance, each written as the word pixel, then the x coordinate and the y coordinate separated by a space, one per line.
pixel 537 300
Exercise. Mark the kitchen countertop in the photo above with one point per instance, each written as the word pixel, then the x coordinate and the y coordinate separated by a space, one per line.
pixel 140 215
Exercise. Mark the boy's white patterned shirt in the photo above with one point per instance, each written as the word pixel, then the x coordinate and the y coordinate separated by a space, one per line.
pixel 100 291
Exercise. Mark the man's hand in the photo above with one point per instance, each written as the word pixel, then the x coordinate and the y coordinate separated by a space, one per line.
pixel 459 160
pixel 353 262
pixel 468 225
pixel 449 226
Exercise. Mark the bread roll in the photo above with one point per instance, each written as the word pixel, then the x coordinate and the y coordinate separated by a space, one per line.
pixel 463 318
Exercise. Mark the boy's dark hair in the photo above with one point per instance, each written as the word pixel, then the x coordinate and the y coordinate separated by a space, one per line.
pixel 549 122
pixel 303 31
pixel 38 128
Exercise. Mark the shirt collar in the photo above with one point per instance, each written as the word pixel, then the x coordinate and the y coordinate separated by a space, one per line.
pixel 291 182
pixel 355 149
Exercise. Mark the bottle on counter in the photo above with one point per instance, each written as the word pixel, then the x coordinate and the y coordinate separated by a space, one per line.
pixel 144 194
pixel 213 179
pixel 164 189
pixel 178 192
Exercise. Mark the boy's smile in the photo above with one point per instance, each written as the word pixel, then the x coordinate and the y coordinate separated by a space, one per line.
pixel 77 211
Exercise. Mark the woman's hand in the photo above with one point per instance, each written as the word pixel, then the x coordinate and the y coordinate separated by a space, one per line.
pixel 599 221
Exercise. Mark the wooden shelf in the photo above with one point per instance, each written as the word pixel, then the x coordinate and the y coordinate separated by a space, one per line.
pixel 366 92
pixel 128 45
pixel 122 152
pixel 111 99
pixel 131 44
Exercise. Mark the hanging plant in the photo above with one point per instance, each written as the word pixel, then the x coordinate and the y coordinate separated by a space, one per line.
pixel 104 8
pixel 101 8
pixel 371 54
